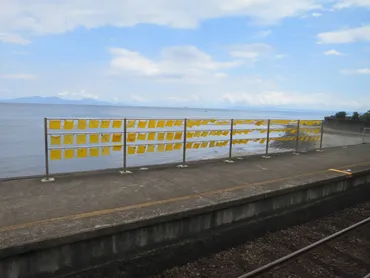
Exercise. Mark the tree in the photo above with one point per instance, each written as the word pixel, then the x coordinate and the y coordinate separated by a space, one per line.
pixel 355 116
pixel 366 117
pixel 341 115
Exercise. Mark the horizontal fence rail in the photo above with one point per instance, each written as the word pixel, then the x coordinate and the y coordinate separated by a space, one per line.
pixel 71 138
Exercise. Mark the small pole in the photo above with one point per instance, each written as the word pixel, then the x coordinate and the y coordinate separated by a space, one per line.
pixel 267 139
pixel 363 136
pixel 231 138
pixel 297 139
pixel 183 165
pixel 47 177
pixel 125 148
pixel 124 145
pixel 321 136
pixel 231 142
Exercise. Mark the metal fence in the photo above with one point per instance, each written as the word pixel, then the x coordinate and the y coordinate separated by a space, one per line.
pixel 80 138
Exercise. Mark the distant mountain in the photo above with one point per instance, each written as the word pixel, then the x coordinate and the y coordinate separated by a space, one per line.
pixel 56 100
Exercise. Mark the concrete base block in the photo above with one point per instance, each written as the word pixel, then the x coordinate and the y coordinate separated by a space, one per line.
pixel 125 172
pixel 47 179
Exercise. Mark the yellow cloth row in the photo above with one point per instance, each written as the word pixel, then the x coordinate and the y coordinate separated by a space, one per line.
pixel 310 130
pixel 151 136
pixel 262 140
pixel 246 131
pixel 246 141
pixel 199 133
pixel 250 122
pixel 282 122
pixel 175 146
pixel 56 154
pixel 81 139
pixel 310 122
pixel 283 139
pixel 84 124
pixel 95 138
pixel 153 123
pixel 291 130
pixel 309 138
pixel 191 123
pixel 301 138
pixel 154 148
pixel 294 130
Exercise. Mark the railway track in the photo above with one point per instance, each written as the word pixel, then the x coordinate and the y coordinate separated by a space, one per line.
pixel 308 250
pixel 343 254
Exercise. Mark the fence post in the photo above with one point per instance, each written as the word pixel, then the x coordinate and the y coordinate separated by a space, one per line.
pixel 321 136
pixel 183 165
pixel 363 136
pixel 47 177
pixel 231 142
pixel 267 140
pixel 125 171
pixel 296 152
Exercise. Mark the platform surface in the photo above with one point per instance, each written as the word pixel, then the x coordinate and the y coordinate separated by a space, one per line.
pixel 32 211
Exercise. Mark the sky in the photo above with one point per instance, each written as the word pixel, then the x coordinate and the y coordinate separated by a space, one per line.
pixel 299 54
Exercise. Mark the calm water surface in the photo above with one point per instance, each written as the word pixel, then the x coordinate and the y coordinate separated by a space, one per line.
pixel 22 137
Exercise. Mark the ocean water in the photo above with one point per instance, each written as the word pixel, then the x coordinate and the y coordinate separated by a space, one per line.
pixel 22 135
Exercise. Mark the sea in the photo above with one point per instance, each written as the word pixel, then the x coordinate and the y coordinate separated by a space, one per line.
pixel 22 135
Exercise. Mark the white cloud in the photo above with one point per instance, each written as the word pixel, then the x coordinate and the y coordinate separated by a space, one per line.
pixel 346 36
pixel 50 17
pixel 333 52
pixel 175 63
pixel 203 87
pixel 352 3
pixel 272 98
pixel 250 51
pixel 18 76
pixel 275 98
pixel 364 71
pixel 263 34
pixel 316 14
pixel 280 56
pixel 82 94
pixel 12 38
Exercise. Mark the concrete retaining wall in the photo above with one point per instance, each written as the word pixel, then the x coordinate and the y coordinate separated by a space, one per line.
pixel 344 124
pixel 164 237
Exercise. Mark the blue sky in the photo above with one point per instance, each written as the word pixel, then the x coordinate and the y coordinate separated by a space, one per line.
pixel 206 53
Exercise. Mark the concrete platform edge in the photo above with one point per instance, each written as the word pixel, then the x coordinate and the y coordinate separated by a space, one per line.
pixel 45 255
pixel 91 234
